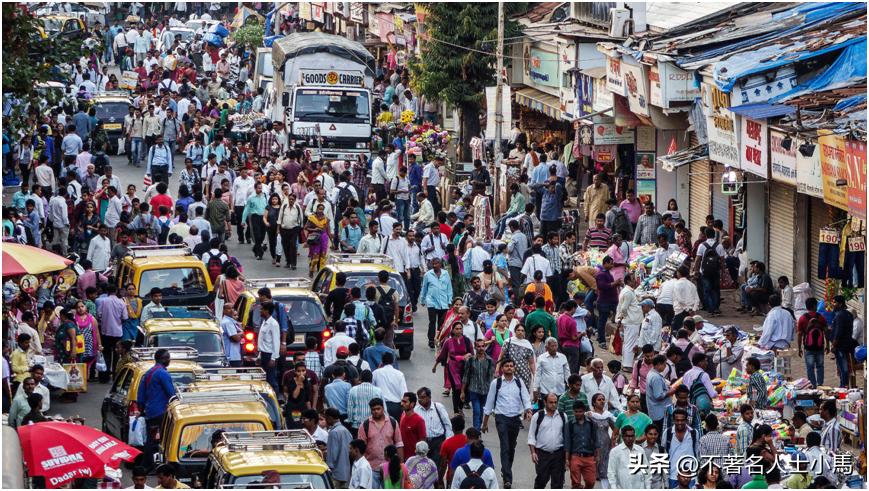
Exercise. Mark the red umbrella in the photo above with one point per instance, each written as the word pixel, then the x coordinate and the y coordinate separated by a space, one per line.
pixel 61 452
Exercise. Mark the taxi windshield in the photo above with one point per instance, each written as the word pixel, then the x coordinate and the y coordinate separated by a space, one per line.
pixel 173 282
pixel 305 313
pixel 202 341
pixel 52 25
pixel 364 280
pixel 111 111
pixel 288 481
pixel 195 440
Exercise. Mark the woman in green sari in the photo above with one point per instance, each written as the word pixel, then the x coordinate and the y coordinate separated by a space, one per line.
pixel 634 418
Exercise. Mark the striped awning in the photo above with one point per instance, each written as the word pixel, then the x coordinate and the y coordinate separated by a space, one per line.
pixel 539 101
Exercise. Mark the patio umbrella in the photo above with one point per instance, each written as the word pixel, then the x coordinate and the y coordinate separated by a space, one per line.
pixel 21 259
pixel 61 452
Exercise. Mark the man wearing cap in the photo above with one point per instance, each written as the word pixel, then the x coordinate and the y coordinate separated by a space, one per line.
pixel 335 344
pixel 651 327
pixel 730 354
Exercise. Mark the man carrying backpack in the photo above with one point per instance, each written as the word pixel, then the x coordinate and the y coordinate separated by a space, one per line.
pixel 509 398
pixel 546 442
pixel 475 474
pixel 708 265
pixel 812 340
pixel 388 298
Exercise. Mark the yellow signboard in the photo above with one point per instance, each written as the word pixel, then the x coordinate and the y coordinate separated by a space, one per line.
pixel 834 171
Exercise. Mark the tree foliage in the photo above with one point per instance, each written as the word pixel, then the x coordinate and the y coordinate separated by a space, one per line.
pixel 30 59
pixel 249 35
pixel 453 65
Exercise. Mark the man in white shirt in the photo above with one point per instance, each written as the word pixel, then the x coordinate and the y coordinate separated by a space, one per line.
pixel 378 175
pixel 113 213
pixel 431 180
pixel 242 189
pixel 597 383
pixel 392 162
pixel 339 340
pixel 552 372
pixel 395 246
pixel 100 249
pixel 268 343
pixel 476 255
pixel 629 317
pixel 619 470
pixel 385 219
pixel 371 243
pixel 391 383
pixel 437 422
pixel 536 262
pixel 685 298
pixel 360 475
pixel 546 442
pixel 651 327
pixel 434 243
pixel 470 329
pixel 58 215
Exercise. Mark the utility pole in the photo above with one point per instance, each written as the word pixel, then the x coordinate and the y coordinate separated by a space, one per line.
pixel 499 110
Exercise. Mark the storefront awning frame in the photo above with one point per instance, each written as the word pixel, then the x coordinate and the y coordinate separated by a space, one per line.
pixel 539 101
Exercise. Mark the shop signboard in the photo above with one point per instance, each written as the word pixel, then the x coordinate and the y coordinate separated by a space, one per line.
pixel 834 170
pixel 646 191
pixel 855 156
pixel 615 82
pixel 357 10
pixel 636 86
pixel 602 98
pixel 677 85
pixel 607 133
pixel 783 162
pixel 305 10
pixel 645 165
pixel 604 153
pixel 721 126
pixel 809 175
pixel 585 95
pixel 541 67
pixel 754 143
pixel 645 138
pixel 318 11
pixel 655 96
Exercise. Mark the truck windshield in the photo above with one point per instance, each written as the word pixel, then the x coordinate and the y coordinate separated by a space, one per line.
pixel 328 105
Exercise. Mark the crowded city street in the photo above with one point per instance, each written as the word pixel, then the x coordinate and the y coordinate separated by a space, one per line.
pixel 364 245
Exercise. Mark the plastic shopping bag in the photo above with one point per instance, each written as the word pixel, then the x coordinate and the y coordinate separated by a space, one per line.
pixel 138 431
pixel 101 363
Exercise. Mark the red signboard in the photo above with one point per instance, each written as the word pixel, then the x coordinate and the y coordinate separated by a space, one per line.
pixel 855 156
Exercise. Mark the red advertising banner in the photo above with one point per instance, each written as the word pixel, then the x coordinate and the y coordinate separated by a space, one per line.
pixel 855 156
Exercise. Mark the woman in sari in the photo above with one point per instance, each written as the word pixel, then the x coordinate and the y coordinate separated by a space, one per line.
pixel 46 325
pixel 518 349
pixel 497 335
pixel 134 311
pixel 454 353
pixel 90 329
pixel 540 289
pixel 604 425
pixel 637 419
pixel 423 472
pixel 492 282
pixel 620 251
pixel 88 224
pixel 317 228
pixel 443 334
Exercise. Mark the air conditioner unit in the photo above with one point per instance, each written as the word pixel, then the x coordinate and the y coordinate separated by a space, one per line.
pixel 618 19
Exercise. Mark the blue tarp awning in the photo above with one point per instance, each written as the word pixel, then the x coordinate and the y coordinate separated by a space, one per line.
pixel 763 111
pixel 848 70
pixel 854 100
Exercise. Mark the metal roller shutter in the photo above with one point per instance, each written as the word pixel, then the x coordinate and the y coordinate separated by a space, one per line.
pixel 819 217
pixel 720 201
pixel 700 197
pixel 782 203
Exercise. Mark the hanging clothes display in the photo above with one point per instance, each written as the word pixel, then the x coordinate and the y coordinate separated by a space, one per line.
pixel 482 218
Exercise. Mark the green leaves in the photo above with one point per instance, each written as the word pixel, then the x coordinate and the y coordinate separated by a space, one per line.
pixel 250 35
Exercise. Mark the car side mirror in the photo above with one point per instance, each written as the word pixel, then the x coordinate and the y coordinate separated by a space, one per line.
pixel 158 458
pixel 285 99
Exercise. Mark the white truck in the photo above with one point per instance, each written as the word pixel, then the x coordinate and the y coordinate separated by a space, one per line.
pixel 322 93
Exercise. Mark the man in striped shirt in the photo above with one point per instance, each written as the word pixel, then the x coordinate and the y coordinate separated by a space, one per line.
pixel 745 431
pixel 357 401
pixel 831 433
pixel 598 237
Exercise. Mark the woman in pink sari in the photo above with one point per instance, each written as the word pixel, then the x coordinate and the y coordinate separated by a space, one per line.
pixel 497 335
pixel 443 334
pixel 456 350
pixel 90 329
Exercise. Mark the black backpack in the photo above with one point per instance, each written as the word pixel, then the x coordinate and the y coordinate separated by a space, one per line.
pixel 367 424
pixel 343 201
pixel 388 303
pixel 684 364
pixel 542 414
pixel 711 262
pixel 621 225
pixel 473 474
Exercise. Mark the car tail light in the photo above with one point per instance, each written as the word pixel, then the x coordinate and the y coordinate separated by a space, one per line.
pixel 408 331
pixel 249 347
pixel 133 409
pixel 327 334
pixel 249 336
pixel 408 313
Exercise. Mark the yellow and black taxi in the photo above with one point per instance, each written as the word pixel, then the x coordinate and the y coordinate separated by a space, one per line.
pixel 192 417
pixel 302 306
pixel 111 108
pixel 361 271
pixel 181 277
pixel 63 25
pixel 202 334
pixel 243 459
pixel 241 378
pixel 120 401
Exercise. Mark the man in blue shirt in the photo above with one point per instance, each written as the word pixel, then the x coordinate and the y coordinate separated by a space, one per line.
pixel 414 176
pixel 155 390
pixel 232 334
pixel 463 455
pixel 374 354
pixel 550 208
pixel 159 161
pixel 83 124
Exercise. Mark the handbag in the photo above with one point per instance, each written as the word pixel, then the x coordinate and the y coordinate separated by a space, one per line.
pixel 79 344
pixel 617 341
pixel 313 238
pixel 138 433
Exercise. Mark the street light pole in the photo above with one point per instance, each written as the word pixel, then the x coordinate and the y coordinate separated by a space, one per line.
pixel 499 111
